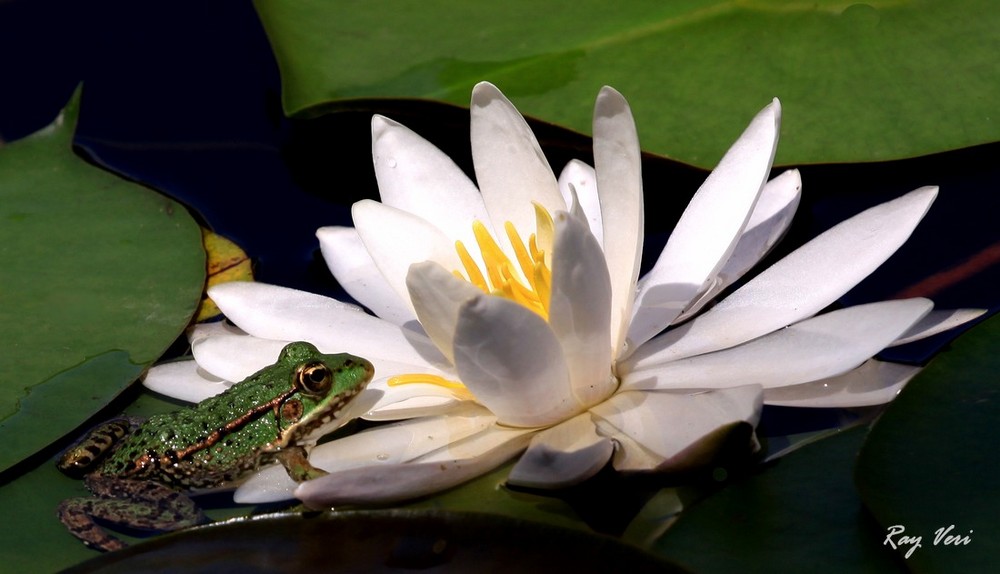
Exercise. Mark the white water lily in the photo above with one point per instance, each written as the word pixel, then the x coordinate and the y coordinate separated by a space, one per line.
pixel 509 317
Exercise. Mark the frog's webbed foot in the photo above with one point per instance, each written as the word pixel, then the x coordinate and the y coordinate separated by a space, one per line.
pixel 297 464
pixel 136 504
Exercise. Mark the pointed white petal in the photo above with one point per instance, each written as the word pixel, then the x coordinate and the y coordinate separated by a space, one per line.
pixel 820 347
pixel 675 431
pixel 386 484
pixel 798 286
pixel 618 163
pixel 563 455
pixel 583 180
pixel 873 383
pixel 273 312
pixel 402 442
pixel 415 176
pixel 580 309
pixel 354 269
pixel 938 322
pixel 512 362
pixel 396 239
pixel 511 170
pixel 708 230
pixel 437 296
pixel 183 380
pixel 768 223
pixel 203 330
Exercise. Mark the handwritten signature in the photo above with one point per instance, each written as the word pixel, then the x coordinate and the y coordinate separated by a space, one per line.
pixel 896 539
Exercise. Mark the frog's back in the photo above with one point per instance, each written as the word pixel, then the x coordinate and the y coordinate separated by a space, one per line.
pixel 215 441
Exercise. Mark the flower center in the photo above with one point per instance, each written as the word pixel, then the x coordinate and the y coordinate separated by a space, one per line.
pixel 528 284
pixel 531 287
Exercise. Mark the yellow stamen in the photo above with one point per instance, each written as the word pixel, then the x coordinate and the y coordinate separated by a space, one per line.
pixel 493 256
pixel 523 258
pixel 475 277
pixel 458 389
pixel 527 280
pixel 425 378
pixel 545 231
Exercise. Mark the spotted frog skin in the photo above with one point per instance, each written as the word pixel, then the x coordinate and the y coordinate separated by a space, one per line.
pixel 138 471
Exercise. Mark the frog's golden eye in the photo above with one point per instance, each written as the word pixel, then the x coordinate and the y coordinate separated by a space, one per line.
pixel 313 378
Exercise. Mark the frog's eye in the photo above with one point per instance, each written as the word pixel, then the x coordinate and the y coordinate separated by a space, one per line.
pixel 313 378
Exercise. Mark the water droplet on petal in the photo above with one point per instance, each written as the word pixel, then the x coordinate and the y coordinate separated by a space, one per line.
pixel 391 162
pixel 382 456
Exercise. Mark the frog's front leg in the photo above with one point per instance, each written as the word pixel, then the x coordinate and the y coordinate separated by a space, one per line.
pixel 296 463
pixel 138 504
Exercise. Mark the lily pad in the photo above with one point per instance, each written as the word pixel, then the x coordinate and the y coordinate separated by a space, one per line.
pixel 99 276
pixel 930 464
pixel 800 514
pixel 871 81
pixel 382 541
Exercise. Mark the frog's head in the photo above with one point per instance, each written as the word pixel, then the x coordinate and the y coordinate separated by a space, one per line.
pixel 323 385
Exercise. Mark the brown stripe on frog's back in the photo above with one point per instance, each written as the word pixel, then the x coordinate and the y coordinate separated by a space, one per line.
pixel 177 464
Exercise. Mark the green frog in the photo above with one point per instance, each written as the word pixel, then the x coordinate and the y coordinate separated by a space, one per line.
pixel 139 471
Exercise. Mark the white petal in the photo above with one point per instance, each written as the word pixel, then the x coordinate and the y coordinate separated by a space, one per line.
pixel 354 269
pixel 183 380
pixel 235 357
pixel 510 168
pixel 707 232
pixel 402 442
pixel 273 312
pixel 395 482
pixel 937 322
pixel 513 363
pixel 618 165
pixel 677 431
pixel 873 383
pixel 580 309
pixel 820 347
pixel 376 448
pixel 422 403
pixel 415 176
pixel 583 180
pixel 768 223
pixel 269 484
pixel 798 286
pixel 396 239
pixel 203 330
pixel 437 296
pixel 563 455
pixel 412 399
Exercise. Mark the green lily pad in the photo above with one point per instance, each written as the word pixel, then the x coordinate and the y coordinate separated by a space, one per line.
pixel 800 514
pixel 98 276
pixel 33 538
pixel 931 462
pixel 863 82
